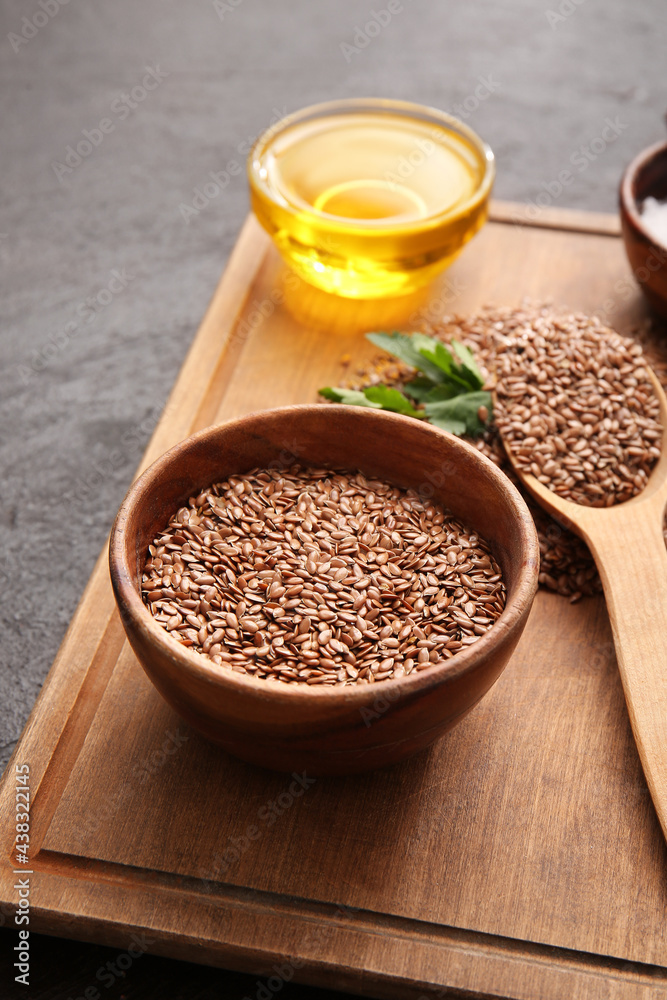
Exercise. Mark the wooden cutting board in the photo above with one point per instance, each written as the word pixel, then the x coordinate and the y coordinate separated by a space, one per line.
pixel 520 857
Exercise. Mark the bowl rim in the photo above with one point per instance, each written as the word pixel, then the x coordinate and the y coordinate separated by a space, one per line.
pixel 197 665
pixel 629 206
pixel 362 105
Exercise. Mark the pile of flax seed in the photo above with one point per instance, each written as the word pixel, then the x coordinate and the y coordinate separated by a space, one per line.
pixel 306 575
pixel 503 340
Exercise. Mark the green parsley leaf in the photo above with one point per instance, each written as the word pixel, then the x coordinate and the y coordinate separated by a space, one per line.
pixel 379 397
pixel 452 373
pixel 460 415
pixel 407 349
pixel 353 397
pixel 392 399
pixel 449 384
pixel 421 388
pixel 430 356
pixel 465 356
pixel 439 392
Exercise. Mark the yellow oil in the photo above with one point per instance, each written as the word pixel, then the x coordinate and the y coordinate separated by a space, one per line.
pixel 370 204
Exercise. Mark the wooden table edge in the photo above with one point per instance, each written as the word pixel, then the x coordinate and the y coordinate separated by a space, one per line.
pixel 566 219
pixel 375 938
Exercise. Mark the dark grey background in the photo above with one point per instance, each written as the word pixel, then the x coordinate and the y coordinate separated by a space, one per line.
pixel 82 382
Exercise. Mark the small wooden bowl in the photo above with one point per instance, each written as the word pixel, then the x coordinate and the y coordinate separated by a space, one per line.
pixel 326 730
pixel 646 175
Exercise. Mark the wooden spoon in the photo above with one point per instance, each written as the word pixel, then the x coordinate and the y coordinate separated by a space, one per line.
pixel 628 546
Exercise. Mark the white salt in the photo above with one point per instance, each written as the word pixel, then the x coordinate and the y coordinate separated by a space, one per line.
pixel 654 217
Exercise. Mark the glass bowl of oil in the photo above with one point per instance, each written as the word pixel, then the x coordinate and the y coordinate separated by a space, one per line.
pixel 367 197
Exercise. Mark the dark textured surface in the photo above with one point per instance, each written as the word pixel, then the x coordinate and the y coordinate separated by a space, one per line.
pixel 82 378
pixel 64 970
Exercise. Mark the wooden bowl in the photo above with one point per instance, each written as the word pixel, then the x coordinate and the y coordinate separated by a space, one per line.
pixel 646 175
pixel 326 730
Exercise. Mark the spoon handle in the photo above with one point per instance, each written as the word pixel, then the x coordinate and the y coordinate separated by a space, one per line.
pixel 629 549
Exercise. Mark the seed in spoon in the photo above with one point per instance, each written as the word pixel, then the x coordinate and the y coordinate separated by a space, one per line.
pixel 586 388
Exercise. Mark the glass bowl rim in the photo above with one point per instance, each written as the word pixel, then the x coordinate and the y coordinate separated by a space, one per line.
pixel 368 105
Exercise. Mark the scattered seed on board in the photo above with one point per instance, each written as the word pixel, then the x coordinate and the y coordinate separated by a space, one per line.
pixel 311 576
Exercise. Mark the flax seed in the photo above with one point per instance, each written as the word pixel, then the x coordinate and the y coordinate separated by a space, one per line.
pixel 602 377
pixel 340 607
pixel 490 334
